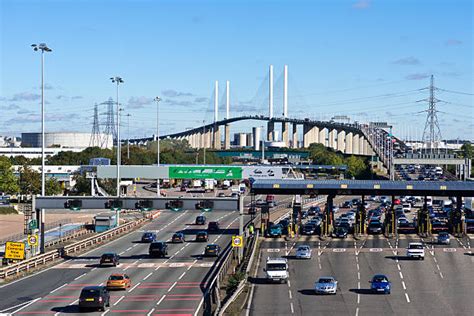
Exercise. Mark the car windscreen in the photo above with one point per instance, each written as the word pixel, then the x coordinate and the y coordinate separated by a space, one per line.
pixel 380 279
pixel 276 267
pixel 116 277
pixel 212 247
pixel 303 248
pixel 415 247
pixel 157 245
pixel 108 256
pixel 325 280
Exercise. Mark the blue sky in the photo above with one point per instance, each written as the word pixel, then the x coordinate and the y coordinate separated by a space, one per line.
pixel 366 59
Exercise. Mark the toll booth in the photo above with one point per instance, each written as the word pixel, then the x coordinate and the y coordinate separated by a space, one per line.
pixel 104 222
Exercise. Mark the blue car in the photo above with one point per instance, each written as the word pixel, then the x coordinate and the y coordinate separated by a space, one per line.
pixel 380 284
pixel 148 237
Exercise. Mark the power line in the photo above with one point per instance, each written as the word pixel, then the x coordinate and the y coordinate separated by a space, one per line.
pixel 456 92
pixel 432 132
pixel 95 135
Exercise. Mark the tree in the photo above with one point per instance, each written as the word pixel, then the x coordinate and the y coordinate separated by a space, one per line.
pixel 356 167
pixel 467 150
pixel 8 181
pixel 52 187
pixel 82 186
pixel 30 180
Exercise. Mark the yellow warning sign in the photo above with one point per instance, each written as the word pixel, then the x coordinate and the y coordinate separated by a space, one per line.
pixel 237 241
pixel 14 250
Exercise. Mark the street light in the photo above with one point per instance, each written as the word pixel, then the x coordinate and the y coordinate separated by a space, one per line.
pixel 128 135
pixel 43 48
pixel 263 144
pixel 118 80
pixel 158 99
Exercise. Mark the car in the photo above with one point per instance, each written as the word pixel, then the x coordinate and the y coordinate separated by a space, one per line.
pixel 260 202
pixel 221 194
pixel 340 232
pixel 148 237
pixel 406 207
pixel 235 195
pixel 118 281
pixel 325 285
pixel 202 236
pixel 375 227
pixel 347 204
pixel 212 250
pixel 178 237
pixel 213 227
pixel 443 238
pixel 303 252
pixel 313 210
pixel 351 215
pixel 308 229
pixel 274 230
pixel 201 220
pixel 158 249
pixel 284 223
pixel 94 297
pixel 380 284
pixel 315 221
pixel 335 209
pixel 109 259
pixel 416 250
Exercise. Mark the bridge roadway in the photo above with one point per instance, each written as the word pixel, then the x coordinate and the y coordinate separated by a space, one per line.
pixel 440 285
pixel 159 286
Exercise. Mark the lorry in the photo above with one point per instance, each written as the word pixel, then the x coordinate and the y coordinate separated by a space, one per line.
pixel 276 270
pixel 197 183
pixel 226 184
pixel 209 185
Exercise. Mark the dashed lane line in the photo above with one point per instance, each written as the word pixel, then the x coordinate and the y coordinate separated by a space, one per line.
pixel 172 286
pixel 147 276
pixel 161 300
pixel 134 287
pixel 58 288
pixel 118 301
pixel 150 312
pixel 407 297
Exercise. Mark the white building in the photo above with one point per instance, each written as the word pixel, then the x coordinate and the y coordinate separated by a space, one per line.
pixel 62 139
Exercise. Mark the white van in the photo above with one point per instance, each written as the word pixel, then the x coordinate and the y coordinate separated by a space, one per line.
pixel 276 270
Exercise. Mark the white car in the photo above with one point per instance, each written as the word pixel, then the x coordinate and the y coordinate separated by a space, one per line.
pixel 325 285
pixel 416 250
pixel 406 207
pixel 303 252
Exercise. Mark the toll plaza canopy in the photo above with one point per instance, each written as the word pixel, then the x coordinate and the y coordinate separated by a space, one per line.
pixel 363 187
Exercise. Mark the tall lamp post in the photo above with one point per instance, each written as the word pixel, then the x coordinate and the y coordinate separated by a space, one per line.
pixel 43 48
pixel 128 135
pixel 263 145
pixel 158 99
pixel 118 80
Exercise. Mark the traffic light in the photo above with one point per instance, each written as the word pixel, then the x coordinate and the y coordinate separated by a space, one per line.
pixel 205 206
pixel 144 205
pixel 73 205
pixel 176 205
pixel 114 205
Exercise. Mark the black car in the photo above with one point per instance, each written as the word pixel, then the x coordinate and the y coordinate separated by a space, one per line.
pixel 110 258
pixel 313 210
pixel 375 227
pixel 148 237
pixel 201 220
pixel 340 232
pixel 178 237
pixel 212 250
pixel 158 249
pixel 347 204
pixel 202 236
pixel 309 229
pixel 213 227
pixel 94 297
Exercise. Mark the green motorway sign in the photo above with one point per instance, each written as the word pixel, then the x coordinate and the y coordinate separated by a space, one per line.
pixel 205 172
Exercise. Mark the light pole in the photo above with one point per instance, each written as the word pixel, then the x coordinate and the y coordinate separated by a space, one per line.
pixel 158 99
pixel 43 48
pixel 118 80
pixel 205 142
pixel 263 144
pixel 128 135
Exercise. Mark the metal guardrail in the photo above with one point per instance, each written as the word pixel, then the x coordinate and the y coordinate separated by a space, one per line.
pixel 52 255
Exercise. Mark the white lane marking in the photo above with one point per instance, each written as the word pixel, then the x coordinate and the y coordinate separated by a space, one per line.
pixel 434 259
pixel 58 288
pixel 150 312
pixel 128 248
pixel 73 303
pixel 401 275
pixel 172 286
pixel 289 284
pixel 358 285
pixel 408 298
pixel 441 275
pixel 23 307
pixel 358 275
pixel 93 269
pixel 404 286
pixel 182 275
pixel 358 268
pixel 398 266
pixel 292 308
pixel 437 266
pixel 106 311
pixel 118 301
pixel 148 275
pixel 358 298
pixel 157 267
pixel 77 278
pixel 289 294
pixel 161 300
pixel 133 288
pixel 320 268
pixel 357 311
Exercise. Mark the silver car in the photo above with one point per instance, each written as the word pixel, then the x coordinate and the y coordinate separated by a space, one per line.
pixel 325 285
pixel 303 252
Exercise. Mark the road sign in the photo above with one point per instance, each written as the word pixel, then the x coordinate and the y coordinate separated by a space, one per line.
pixel 33 240
pixel 33 224
pixel 181 172
pixel 237 241
pixel 14 250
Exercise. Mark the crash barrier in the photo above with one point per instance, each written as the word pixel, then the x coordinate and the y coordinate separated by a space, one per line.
pixel 26 265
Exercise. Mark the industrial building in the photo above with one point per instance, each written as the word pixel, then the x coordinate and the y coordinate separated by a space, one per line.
pixel 62 140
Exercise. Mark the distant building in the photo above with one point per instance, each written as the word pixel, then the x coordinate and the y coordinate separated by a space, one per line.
pixel 61 140
pixel 35 152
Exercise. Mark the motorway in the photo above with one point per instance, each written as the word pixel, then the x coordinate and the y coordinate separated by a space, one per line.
pixel 439 285
pixel 172 285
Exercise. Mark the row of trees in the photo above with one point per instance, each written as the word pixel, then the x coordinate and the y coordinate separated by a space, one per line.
pixel 357 167
pixel 28 180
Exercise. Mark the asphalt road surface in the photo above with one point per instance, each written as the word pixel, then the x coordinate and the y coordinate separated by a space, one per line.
pixel 172 285
pixel 442 284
